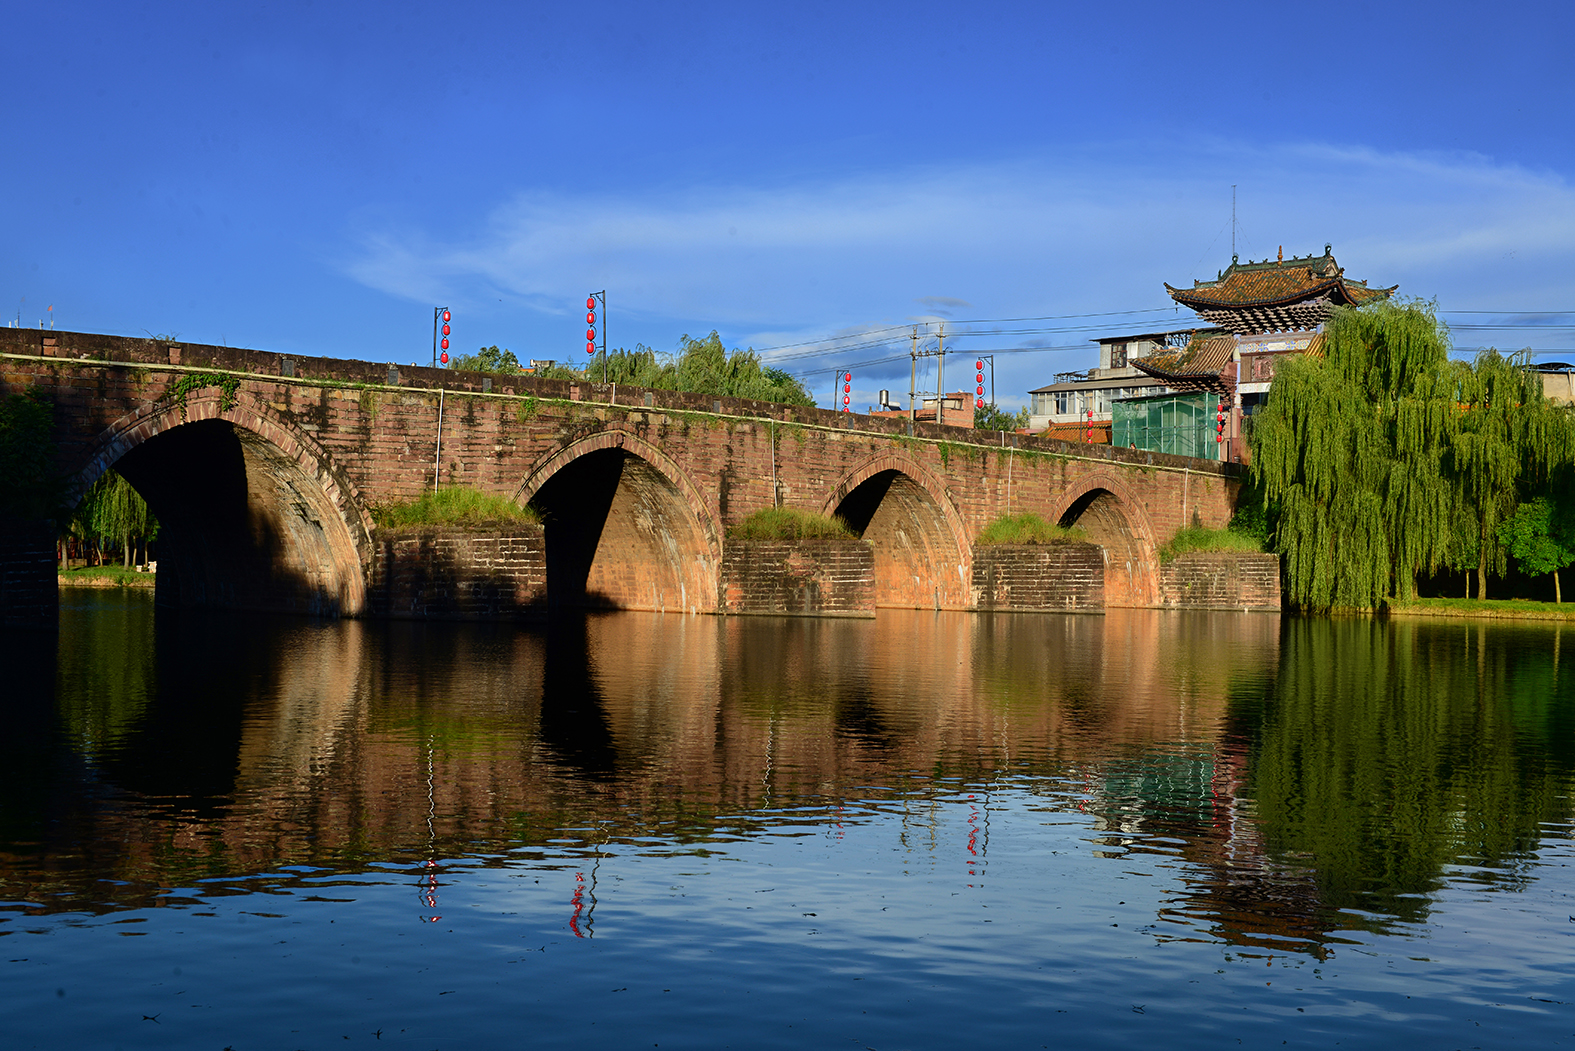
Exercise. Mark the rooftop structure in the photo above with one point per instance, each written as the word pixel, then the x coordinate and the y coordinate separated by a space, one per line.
pixel 1276 295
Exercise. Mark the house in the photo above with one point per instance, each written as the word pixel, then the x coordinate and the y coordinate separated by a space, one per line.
pixel 1079 401
pixel 1264 312
pixel 957 406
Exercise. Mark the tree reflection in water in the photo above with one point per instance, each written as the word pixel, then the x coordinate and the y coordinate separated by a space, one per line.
pixel 1309 777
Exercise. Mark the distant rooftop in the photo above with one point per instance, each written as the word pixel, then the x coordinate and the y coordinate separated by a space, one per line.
pixel 1277 294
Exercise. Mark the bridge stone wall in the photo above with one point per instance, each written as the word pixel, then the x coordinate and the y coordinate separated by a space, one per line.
pixel 325 439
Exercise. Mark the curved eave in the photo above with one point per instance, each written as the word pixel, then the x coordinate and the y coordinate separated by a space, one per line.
pixel 1187 299
pixel 1195 380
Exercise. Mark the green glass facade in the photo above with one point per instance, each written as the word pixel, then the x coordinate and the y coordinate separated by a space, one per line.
pixel 1181 424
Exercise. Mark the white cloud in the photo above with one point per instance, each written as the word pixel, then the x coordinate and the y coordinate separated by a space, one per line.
pixel 1093 230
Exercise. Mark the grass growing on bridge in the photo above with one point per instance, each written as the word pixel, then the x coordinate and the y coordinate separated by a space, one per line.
pixel 1198 538
pixel 786 523
pixel 1029 528
pixel 456 506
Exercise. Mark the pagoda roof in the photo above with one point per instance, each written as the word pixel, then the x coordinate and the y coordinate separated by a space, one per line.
pixel 1197 366
pixel 1277 293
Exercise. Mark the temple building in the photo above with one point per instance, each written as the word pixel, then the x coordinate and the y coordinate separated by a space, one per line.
pixel 1262 312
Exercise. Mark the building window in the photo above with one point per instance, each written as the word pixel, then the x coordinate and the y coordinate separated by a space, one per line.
pixel 1118 355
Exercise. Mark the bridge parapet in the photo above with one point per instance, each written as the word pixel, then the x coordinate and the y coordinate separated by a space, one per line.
pixel 640 485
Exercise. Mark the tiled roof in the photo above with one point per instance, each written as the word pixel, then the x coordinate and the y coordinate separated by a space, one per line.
pixel 1276 282
pixel 1201 357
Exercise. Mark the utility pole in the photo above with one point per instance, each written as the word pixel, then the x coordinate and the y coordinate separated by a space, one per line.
pixel 1233 222
pixel 913 376
pixel 940 371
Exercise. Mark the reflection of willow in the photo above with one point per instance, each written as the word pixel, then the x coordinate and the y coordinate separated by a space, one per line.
pixel 1385 753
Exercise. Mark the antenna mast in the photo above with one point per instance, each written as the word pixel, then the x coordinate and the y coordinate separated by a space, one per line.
pixel 1233 222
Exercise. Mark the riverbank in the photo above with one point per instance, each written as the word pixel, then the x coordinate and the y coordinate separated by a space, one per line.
pixel 105 577
pixel 1487 609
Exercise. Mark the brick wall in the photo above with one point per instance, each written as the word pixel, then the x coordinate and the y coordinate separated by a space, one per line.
pixel 29 597
pixel 459 574
pixel 822 577
pixel 343 435
pixel 1241 580
pixel 1064 578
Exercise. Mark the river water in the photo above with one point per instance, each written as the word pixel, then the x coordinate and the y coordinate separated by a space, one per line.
pixel 922 831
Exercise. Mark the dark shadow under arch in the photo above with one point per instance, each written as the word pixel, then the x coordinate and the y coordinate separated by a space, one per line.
pixel 1129 556
pixel 620 535
pixel 918 561
pixel 241 524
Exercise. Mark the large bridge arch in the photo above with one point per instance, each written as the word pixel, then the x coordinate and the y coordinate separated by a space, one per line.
pixel 1104 507
pixel 626 527
pixel 923 555
pixel 252 513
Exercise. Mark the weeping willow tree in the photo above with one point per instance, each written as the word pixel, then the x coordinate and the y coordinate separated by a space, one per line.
pixel 1508 437
pixel 1388 460
pixel 111 512
pixel 1352 448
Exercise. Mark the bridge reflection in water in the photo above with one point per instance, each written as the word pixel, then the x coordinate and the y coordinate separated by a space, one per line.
pixel 1308 777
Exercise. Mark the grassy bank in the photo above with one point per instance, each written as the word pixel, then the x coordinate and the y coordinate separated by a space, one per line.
pixel 1029 528
pixel 457 506
pixel 785 523
pixel 1492 609
pixel 1198 539
pixel 104 577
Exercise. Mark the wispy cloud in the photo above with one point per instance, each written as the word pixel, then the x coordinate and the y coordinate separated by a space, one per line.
pixel 1090 231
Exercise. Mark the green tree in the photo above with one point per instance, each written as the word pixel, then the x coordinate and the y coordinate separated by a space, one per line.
pixel 1506 436
pixel 991 418
pixel 700 366
pixel 30 487
pixel 112 512
pixel 1350 452
pixel 487 359
pixel 1540 534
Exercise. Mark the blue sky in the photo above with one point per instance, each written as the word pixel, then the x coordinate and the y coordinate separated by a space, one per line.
pixel 314 178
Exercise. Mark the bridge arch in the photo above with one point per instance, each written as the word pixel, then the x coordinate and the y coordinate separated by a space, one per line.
pixel 626 527
pixel 1104 507
pixel 252 513
pixel 923 555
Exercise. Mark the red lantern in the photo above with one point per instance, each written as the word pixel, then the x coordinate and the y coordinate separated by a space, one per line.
pixel 848 378
pixel 845 399
pixel 445 344
pixel 444 358
pixel 590 334
pixel 979 391
pixel 978 366
pixel 590 317
pixel 445 317
pixel 847 388
pixel 590 348
pixel 979 404
pixel 590 302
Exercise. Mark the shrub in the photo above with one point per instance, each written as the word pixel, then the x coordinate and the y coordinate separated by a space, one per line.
pixel 1029 528
pixel 1197 538
pixel 786 523
pixel 458 505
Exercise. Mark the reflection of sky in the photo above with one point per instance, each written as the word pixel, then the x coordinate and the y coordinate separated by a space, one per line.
pixel 789 832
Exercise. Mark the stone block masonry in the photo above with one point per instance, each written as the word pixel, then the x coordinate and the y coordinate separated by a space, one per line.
pixel 266 467
pixel 1039 578
pixel 821 577
pixel 459 574
pixel 1244 580
pixel 29 597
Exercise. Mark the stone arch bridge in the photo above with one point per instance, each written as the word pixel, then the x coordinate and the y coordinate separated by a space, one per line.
pixel 263 468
